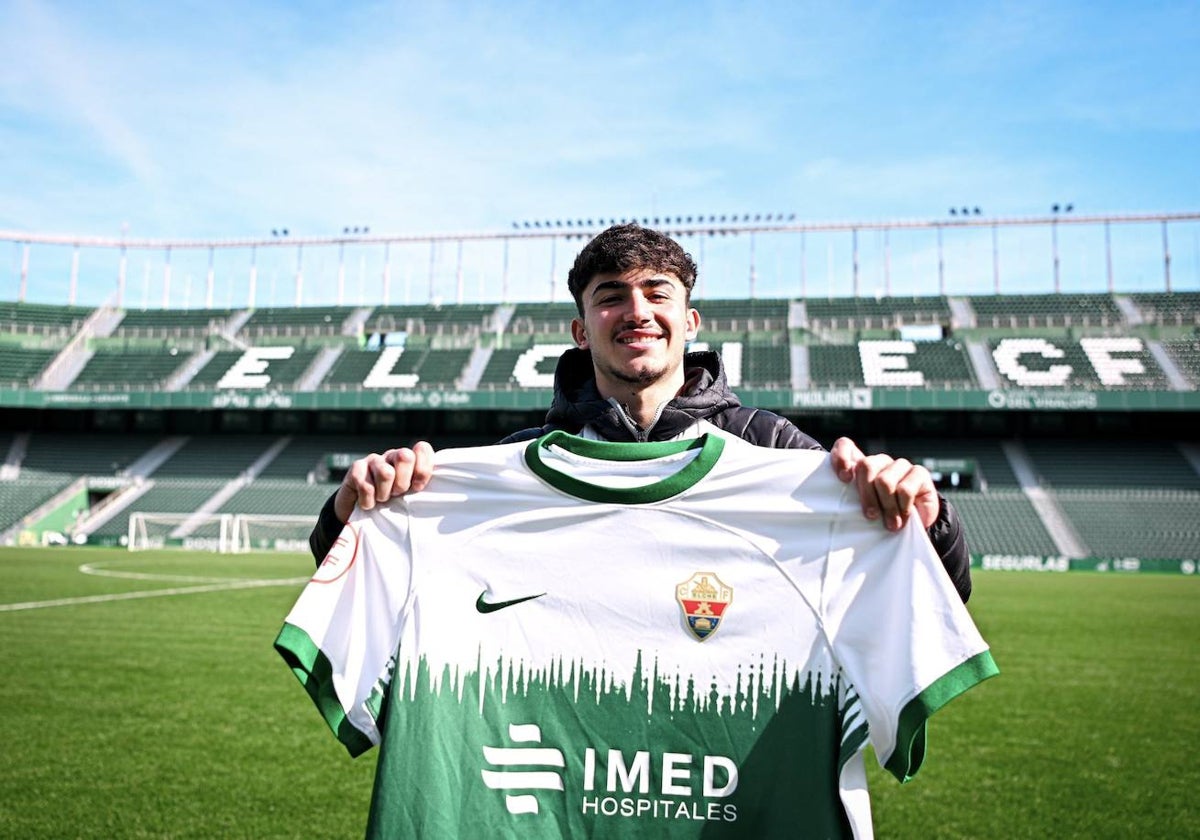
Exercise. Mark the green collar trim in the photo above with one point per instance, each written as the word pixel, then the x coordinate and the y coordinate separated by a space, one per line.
pixel 710 447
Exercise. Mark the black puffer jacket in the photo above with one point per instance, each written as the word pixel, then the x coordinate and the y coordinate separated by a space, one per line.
pixel 706 396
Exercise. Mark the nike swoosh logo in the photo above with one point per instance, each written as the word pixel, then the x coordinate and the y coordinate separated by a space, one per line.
pixel 488 607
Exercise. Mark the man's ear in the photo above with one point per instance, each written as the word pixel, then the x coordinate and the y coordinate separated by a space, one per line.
pixel 692 328
pixel 579 333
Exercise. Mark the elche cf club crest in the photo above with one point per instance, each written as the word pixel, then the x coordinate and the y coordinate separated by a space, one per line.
pixel 703 599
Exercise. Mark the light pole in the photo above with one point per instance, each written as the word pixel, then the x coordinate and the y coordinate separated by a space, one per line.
pixel 1055 209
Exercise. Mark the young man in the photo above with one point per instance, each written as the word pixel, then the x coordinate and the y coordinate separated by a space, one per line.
pixel 630 379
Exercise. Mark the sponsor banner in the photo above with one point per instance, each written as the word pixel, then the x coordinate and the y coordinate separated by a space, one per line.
pixel 845 398
pixel 780 399
pixel 1057 563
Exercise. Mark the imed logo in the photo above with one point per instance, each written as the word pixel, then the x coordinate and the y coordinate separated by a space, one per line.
pixel 525 779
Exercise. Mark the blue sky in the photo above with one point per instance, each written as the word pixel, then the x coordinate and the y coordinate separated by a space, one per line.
pixel 229 120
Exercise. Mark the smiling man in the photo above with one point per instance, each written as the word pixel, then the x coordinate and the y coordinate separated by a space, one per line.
pixel 630 378
pixel 636 325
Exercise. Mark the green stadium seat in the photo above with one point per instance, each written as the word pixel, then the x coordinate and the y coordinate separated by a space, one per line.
pixel 42 319
pixel 134 370
pixel 1118 522
pixel 1047 310
pixel 1003 522
pixel 19 366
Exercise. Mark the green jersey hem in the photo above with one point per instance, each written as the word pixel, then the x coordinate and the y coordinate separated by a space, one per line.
pixel 710 447
pixel 315 673
pixel 909 753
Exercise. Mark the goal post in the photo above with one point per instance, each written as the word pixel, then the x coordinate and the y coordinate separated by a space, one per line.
pixel 271 532
pixel 188 531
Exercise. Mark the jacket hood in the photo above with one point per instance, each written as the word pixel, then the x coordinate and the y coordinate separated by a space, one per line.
pixel 577 402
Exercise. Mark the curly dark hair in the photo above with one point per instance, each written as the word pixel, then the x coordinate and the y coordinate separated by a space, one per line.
pixel 621 248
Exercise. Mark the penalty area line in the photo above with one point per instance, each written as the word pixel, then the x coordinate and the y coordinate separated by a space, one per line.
pixel 151 593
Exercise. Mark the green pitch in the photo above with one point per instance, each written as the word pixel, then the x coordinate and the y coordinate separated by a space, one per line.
pixel 172 716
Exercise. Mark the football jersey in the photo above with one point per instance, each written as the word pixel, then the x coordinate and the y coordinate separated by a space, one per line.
pixel 575 638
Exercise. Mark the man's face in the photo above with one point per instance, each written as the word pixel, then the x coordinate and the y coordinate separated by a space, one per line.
pixel 636 326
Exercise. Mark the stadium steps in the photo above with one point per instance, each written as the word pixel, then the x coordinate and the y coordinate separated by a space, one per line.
pixel 61 372
pixel 72 359
pixel 44 509
pixel 501 317
pixel 231 488
pixel 355 321
pixel 324 361
pixel 112 506
pixel 801 377
pixel 797 317
pixel 984 364
pixel 476 365
pixel 154 457
pixel 18 498
pixel 962 316
pixel 180 378
pixel 234 325
pixel 1175 377
pixel 1133 315
pixel 11 470
pixel 1191 452
pixel 1066 539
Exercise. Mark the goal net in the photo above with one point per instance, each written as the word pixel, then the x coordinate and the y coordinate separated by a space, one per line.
pixel 271 532
pixel 189 531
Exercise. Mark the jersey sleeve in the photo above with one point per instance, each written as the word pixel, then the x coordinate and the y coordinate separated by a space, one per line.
pixel 340 637
pixel 900 633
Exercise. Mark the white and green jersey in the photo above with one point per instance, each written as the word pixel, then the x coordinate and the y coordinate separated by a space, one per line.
pixel 574 638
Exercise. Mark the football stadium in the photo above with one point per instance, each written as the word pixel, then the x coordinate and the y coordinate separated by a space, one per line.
pixel 164 463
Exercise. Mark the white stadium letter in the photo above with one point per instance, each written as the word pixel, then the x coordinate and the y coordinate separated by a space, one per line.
pixel 1008 361
pixel 381 375
pixel 1111 370
pixel 885 364
pixel 249 371
pixel 525 370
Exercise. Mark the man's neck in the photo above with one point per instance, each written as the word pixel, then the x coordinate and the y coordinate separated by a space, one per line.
pixel 642 404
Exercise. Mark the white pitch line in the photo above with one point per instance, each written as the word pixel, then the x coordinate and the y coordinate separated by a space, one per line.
pixel 93 569
pixel 151 593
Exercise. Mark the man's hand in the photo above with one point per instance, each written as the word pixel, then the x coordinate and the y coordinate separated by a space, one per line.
pixel 376 478
pixel 888 488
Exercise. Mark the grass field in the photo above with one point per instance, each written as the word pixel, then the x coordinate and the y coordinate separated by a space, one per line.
pixel 172 716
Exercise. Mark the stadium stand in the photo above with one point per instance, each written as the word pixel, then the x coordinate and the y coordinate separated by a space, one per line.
pixel 462 319
pixel 276 496
pixel 172 323
pixel 875 313
pixel 545 319
pixel 1049 310
pixel 281 372
pixel 766 365
pixel 1118 522
pixel 20 366
pixel 502 363
pixel 350 370
pixel 111 369
pixel 905 364
pixel 1129 498
pixel 1084 364
pixel 18 498
pixel 1003 522
pixel 1063 463
pixel 734 316
pixel 295 321
pixel 41 319
pixel 1186 353
pixel 1180 309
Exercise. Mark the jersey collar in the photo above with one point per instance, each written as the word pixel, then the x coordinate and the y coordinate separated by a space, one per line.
pixel 709 446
